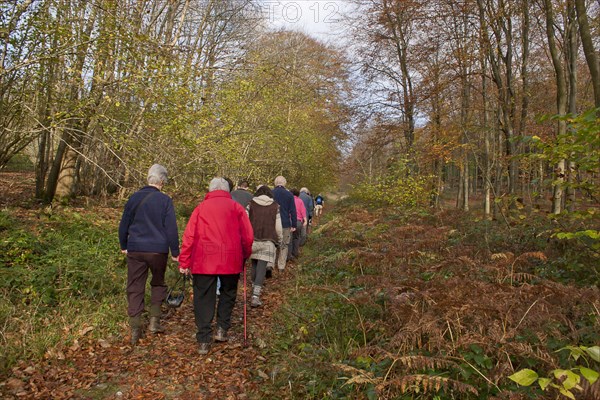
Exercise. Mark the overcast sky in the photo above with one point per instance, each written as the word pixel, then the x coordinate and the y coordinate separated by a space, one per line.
pixel 319 18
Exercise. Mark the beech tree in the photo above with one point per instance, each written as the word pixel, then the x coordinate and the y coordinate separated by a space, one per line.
pixel 387 30
pixel 587 41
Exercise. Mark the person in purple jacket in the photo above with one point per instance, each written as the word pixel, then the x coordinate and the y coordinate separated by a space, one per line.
pixel 148 230
pixel 287 209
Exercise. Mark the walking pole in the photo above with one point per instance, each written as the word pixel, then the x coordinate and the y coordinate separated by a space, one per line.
pixel 245 302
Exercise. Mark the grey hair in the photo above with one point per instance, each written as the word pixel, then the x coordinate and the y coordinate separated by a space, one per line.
pixel 157 175
pixel 218 184
pixel 304 190
pixel 280 181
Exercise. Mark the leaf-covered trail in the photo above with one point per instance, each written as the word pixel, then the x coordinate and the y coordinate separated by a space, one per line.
pixel 165 366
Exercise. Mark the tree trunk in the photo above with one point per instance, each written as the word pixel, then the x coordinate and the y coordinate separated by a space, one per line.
pixel 500 55
pixel 591 56
pixel 557 197
pixel 561 103
pixel 72 133
pixel 44 141
pixel 571 52
pixel 465 182
pixel 487 162
pixel 499 169
pixel 525 44
pixel 396 25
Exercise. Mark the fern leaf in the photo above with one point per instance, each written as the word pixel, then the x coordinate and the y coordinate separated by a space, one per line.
pixel 427 383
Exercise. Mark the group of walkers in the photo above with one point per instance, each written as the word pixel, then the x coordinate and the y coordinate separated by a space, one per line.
pixel 267 227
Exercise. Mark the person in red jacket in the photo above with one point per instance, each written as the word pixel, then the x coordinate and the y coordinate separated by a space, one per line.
pixel 216 242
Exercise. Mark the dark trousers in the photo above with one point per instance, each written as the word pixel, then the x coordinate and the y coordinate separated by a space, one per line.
pixel 205 299
pixel 259 271
pixel 303 234
pixel 138 264
pixel 294 246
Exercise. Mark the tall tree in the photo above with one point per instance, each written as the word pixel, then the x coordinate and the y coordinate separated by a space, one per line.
pixel 591 54
pixel 388 30
pixel 21 39
pixel 561 100
pixel 499 16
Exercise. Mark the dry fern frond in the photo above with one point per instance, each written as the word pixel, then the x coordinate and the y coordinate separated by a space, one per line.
pixel 361 379
pixel 533 254
pixel 417 363
pixel 590 392
pixel 466 261
pixel 359 376
pixel 526 350
pixel 520 277
pixel 351 369
pixel 405 340
pixel 502 256
pixel 427 384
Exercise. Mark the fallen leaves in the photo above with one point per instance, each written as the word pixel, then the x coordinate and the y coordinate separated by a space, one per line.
pixel 85 330
pixel 160 367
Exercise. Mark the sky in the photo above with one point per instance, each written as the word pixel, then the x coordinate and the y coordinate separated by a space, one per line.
pixel 319 18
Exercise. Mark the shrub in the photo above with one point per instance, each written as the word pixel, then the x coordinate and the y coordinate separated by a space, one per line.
pixel 398 188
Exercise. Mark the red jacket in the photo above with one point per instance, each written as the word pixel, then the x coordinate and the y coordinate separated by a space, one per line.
pixel 218 236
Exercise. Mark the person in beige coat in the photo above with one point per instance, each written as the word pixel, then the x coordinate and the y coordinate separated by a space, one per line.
pixel 268 233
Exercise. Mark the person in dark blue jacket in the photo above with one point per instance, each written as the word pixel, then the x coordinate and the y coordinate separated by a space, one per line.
pixel 287 209
pixel 148 230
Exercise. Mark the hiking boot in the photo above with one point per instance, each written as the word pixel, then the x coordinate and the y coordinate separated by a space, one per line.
pixel 136 329
pixel 203 348
pixel 255 302
pixel 136 334
pixel 221 335
pixel 155 314
pixel 155 326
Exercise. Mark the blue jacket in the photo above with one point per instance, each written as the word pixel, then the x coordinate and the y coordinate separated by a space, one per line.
pixel 287 206
pixel 308 203
pixel 148 223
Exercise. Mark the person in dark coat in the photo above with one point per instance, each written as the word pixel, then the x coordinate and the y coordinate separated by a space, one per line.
pixel 287 209
pixel 147 231
pixel 242 194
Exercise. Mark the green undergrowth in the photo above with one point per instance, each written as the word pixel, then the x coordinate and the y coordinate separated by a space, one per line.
pixel 401 304
pixel 62 280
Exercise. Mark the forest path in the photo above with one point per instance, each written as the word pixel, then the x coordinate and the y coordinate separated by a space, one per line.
pixel 164 366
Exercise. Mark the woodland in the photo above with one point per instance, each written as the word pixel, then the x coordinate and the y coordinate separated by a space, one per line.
pixel 457 144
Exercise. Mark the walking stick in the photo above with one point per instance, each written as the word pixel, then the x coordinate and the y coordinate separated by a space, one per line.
pixel 245 303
